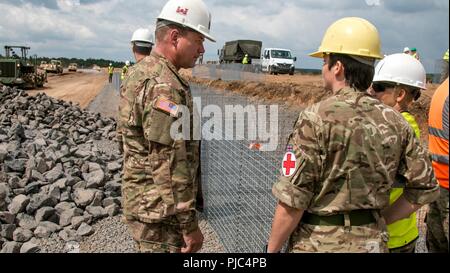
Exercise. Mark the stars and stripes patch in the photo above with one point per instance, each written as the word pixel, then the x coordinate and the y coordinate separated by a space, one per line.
pixel 167 106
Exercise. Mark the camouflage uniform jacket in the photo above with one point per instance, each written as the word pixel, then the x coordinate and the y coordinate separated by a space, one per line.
pixel 160 180
pixel 350 149
pixel 119 128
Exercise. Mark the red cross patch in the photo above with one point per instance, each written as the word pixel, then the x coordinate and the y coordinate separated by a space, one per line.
pixel 182 11
pixel 289 164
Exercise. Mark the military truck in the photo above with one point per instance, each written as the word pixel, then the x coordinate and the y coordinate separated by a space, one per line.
pixel 72 67
pixel 54 66
pixel 20 70
pixel 43 65
pixel 234 51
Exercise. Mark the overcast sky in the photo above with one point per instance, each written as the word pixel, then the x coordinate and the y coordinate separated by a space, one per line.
pixel 103 28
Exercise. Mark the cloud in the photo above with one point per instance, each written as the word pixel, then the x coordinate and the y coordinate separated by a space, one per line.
pixel 414 6
pixel 50 4
pixel 103 28
pixel 300 24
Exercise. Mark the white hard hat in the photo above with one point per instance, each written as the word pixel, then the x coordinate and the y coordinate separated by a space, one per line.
pixel 127 63
pixel 142 37
pixel 406 49
pixel 402 69
pixel 110 64
pixel 193 14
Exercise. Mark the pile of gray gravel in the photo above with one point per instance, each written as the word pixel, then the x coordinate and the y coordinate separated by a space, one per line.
pixel 112 236
pixel 53 178
pixel 60 175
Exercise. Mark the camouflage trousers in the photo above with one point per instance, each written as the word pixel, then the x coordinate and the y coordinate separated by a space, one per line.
pixel 155 237
pixel 338 239
pixel 437 224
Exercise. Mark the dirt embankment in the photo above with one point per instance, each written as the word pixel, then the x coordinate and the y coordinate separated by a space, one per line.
pixel 303 90
pixel 293 92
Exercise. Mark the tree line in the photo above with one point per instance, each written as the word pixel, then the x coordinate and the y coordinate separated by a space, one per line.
pixel 82 63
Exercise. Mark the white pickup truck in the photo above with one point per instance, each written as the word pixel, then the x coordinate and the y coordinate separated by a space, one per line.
pixel 278 61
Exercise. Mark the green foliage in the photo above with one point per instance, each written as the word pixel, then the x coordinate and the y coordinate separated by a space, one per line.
pixel 82 63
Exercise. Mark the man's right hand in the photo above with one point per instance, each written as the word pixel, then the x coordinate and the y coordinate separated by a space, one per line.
pixel 193 242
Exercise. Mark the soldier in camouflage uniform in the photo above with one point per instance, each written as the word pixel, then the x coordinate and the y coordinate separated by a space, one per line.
pixel 344 155
pixel 161 174
pixel 141 46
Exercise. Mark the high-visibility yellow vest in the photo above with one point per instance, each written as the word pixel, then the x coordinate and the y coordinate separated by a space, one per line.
pixel 245 60
pixel 446 56
pixel 403 231
pixel 110 70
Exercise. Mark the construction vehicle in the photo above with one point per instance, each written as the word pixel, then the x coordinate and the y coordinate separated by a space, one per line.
pixel 54 66
pixel 278 61
pixel 73 67
pixel 20 70
pixel 234 51
pixel 43 65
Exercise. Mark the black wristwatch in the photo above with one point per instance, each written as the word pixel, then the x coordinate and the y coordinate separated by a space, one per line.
pixel 266 247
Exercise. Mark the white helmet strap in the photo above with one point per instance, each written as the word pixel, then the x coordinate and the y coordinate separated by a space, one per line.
pixel 165 23
pixel 142 44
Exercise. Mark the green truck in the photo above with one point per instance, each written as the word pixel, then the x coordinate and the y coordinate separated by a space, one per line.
pixel 234 51
pixel 20 70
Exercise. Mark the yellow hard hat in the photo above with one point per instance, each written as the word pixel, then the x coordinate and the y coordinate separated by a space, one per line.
pixel 351 36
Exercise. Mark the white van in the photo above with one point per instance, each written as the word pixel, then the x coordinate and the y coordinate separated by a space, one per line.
pixel 278 61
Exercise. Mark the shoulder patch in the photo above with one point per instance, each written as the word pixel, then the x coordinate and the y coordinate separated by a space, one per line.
pixel 289 164
pixel 164 104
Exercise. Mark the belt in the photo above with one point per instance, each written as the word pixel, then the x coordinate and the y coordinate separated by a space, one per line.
pixel 357 218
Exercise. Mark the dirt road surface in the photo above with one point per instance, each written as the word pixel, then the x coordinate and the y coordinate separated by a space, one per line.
pixel 80 87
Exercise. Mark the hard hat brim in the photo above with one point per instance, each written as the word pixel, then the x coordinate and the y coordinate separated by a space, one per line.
pixel 317 54
pixel 320 54
pixel 206 35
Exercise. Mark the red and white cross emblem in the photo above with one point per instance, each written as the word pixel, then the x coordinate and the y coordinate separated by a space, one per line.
pixel 289 164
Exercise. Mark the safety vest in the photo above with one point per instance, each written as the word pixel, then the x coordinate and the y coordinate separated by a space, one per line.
pixel 245 60
pixel 403 231
pixel 412 122
pixel 124 72
pixel 438 133
pixel 446 56
pixel 110 70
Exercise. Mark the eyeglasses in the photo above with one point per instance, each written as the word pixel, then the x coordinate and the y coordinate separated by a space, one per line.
pixel 382 86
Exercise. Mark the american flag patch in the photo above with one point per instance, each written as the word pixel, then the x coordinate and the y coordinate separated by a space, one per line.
pixel 167 106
